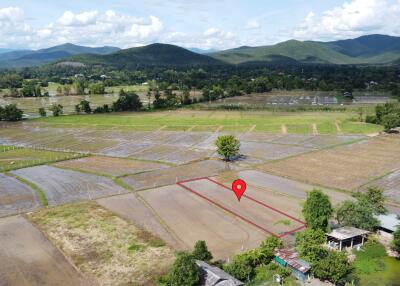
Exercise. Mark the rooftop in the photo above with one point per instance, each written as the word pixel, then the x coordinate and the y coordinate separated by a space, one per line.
pixel 291 257
pixel 389 221
pixel 347 232
pixel 213 276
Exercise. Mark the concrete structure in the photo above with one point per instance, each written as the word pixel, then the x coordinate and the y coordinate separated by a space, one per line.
pixel 289 258
pixel 346 236
pixel 213 276
pixel 387 224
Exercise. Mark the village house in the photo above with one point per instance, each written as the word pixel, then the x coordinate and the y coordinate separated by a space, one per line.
pixel 214 276
pixel 289 259
pixel 346 236
pixel 387 225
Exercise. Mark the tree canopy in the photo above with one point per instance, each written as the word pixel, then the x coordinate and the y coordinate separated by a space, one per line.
pixel 201 252
pixel 184 271
pixel 317 210
pixel 228 146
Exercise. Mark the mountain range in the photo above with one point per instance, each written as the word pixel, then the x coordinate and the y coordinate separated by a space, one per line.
pixel 370 49
pixel 28 58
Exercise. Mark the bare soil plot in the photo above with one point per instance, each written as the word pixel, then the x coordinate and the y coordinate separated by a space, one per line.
pixel 172 175
pixel 111 165
pixel 256 212
pixel 267 151
pixel 63 186
pixel 107 248
pixel 187 155
pixel 192 218
pixel 28 258
pixel 345 167
pixel 132 208
pixel 279 185
pixel 390 184
pixel 16 197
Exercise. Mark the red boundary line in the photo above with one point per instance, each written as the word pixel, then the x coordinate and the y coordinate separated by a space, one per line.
pixel 181 184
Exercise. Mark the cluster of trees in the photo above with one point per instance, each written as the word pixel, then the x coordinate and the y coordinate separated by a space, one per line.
pixel 387 115
pixel 10 113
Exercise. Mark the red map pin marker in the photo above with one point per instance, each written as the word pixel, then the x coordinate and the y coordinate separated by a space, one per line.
pixel 239 187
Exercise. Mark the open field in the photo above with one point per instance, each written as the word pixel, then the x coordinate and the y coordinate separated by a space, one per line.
pixel 252 208
pixel 31 105
pixel 232 121
pixel 110 165
pixel 183 211
pixel 345 167
pixel 16 197
pixel 106 248
pixel 63 186
pixel 28 258
pixel 172 175
pixel 282 186
pixel 12 159
pixel 389 183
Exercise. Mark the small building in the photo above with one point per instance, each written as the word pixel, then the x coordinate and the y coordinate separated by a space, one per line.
pixel 289 258
pixel 346 236
pixel 387 224
pixel 214 276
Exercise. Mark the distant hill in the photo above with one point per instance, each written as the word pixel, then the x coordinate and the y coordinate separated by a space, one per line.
pixel 2 50
pixel 151 55
pixel 27 58
pixel 203 51
pixel 371 49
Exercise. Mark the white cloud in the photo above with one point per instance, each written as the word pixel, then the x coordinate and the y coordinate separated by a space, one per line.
pixel 352 19
pixel 13 29
pixel 252 25
pixel 82 19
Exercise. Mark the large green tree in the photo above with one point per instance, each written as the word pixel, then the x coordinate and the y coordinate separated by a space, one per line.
pixel 334 267
pixel 357 214
pixel 201 252
pixel 184 271
pixel 227 146
pixel 317 210
pixel 308 244
pixel 375 198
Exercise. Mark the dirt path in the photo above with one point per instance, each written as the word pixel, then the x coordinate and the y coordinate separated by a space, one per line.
pixel 284 129
pixel 191 128
pixel 251 128
pixel 219 128
pixel 338 129
pixel 28 258
pixel 315 129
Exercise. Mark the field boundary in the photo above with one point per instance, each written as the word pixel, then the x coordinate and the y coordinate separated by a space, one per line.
pixel 303 225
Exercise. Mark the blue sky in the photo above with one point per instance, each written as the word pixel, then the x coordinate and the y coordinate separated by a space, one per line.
pixel 204 24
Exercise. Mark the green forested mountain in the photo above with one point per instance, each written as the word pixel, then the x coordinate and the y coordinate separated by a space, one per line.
pixel 371 49
pixel 27 58
pixel 151 55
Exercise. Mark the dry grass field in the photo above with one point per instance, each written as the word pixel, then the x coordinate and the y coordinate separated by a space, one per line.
pixel 106 248
pixel 345 167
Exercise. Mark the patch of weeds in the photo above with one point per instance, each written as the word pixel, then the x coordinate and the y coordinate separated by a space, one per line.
pixel 134 247
pixel 152 240
pixel 283 221
pixel 42 196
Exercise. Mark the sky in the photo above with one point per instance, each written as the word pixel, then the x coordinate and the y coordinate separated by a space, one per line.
pixel 206 24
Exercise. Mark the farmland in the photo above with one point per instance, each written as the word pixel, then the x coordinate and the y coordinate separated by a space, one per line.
pixel 123 189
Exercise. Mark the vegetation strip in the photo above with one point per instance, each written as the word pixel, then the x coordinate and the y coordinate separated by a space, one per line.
pixel 41 193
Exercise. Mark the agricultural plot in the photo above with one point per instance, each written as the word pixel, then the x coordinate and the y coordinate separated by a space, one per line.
pixel 63 186
pixel 28 258
pixel 269 183
pixel 389 183
pixel 110 165
pixel 344 167
pixel 16 197
pixel 132 208
pixel 106 248
pixel 264 121
pixel 251 209
pixel 172 175
pixel 12 159
pixel 191 218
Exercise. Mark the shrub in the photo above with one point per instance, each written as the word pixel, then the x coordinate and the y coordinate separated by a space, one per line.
pixel 391 121
pixel 228 146
pixel 57 109
pixel 42 112
pixel 201 252
pixel 184 271
pixel 11 113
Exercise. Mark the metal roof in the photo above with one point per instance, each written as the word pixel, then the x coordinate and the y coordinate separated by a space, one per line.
pixel 291 257
pixel 347 232
pixel 389 221
pixel 213 276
